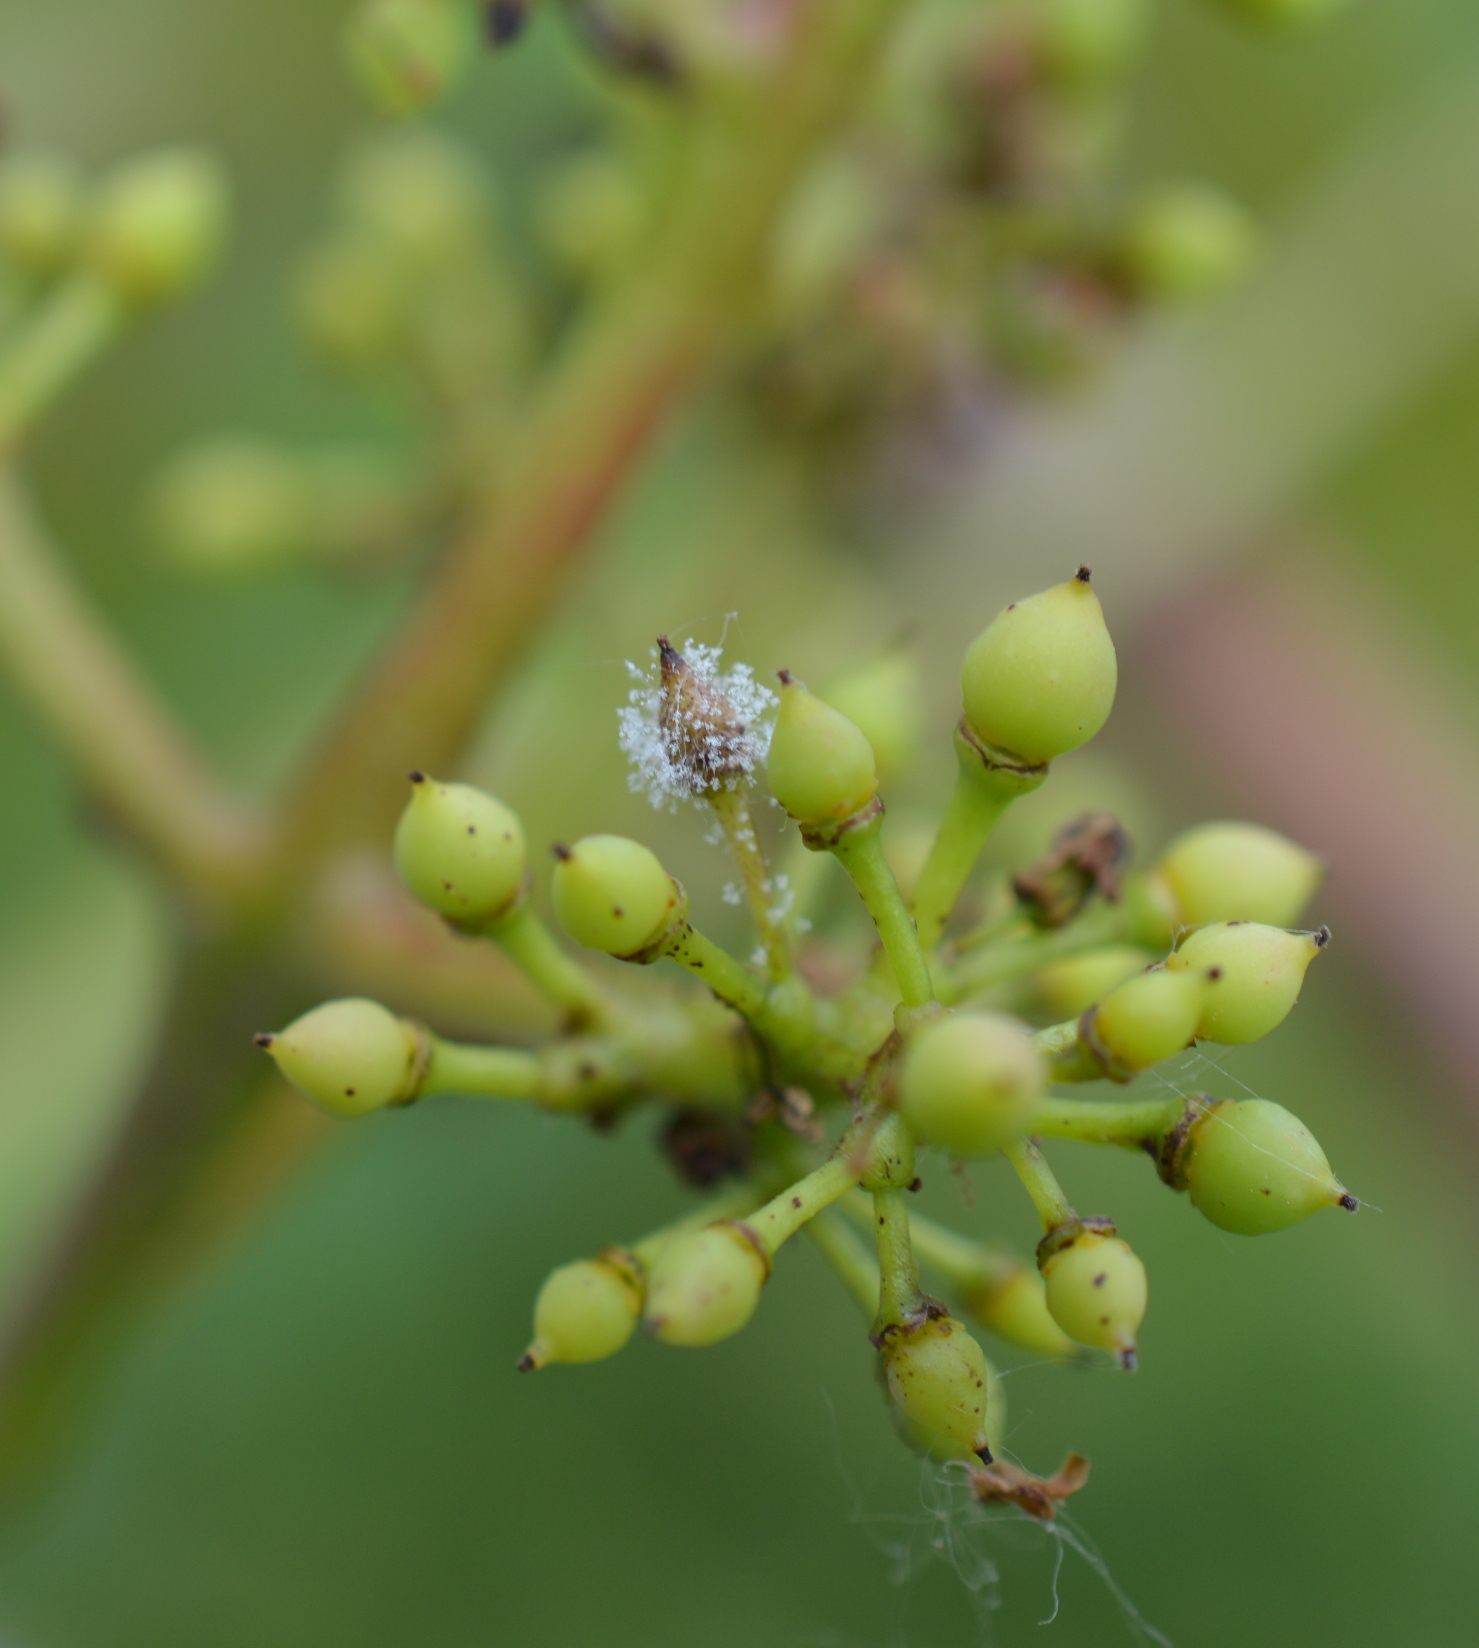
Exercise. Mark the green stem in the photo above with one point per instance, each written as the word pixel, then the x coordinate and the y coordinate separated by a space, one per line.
pixel 860 852
pixel 900 1299
pixel 490 1072
pixel 784 1214
pixel 1053 1207
pixel 731 804
pixel 729 979
pixel 1130 1123
pixel 984 789
pixel 962 1262
pixel 1014 958
pixel 61 337
pixel 854 1265
pixel 533 948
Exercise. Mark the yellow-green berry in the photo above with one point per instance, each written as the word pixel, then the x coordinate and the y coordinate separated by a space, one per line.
pixel 590 212
pixel 1152 1016
pixel 156 224
pixel 460 851
pixel 406 54
pixel 1262 970
pixel 233 505
pixel 585 1311
pixel 820 767
pixel 883 697
pixel 1096 1291
pixel 40 210
pixel 1067 987
pixel 1227 871
pixel 1013 1304
pixel 704 1287
pixel 1183 242
pixel 1252 1167
pixel 418 195
pixel 352 302
pixel 350 1057
pixel 971 1082
pixel 1039 680
pixel 942 1385
pixel 612 894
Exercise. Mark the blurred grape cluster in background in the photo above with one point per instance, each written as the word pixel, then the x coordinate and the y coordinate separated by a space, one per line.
pixel 321 1439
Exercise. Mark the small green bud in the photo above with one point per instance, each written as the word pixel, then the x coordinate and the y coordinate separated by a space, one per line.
pixel 157 224
pixel 943 1386
pixel 1013 1304
pixel 1184 242
pixel 705 1287
pixel 351 1056
pixel 406 54
pixel 1087 42
pixel 1096 1291
pixel 971 1082
pixel 613 894
pixel 821 767
pixel 1153 1016
pixel 1067 987
pixel 1039 680
pixel 419 195
pixel 1251 1167
pixel 585 1311
pixel 40 211
pixel 884 698
pixel 460 851
pixel 233 504
pixel 1262 970
pixel 1238 872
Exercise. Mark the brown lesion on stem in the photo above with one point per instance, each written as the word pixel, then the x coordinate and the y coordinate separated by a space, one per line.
pixel 1002 1483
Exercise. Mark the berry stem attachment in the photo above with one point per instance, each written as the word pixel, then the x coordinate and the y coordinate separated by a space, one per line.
pixel 1038 1180
pixel 731 805
pixel 986 784
pixel 901 1302
pixel 976 968
pixel 533 948
pixel 69 330
pixel 1132 1124
pixel 858 846
pixel 487 1072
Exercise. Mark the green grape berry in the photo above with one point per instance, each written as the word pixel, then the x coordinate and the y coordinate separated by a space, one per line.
pixel 884 698
pixel 460 851
pixel 1152 1016
pixel 419 196
pixel 1067 987
pixel 1013 1304
pixel 1251 1167
pixel 971 1082
pixel 943 1387
pixel 1262 970
pixel 705 1287
pixel 406 54
pixel 1227 871
pixel 40 212
pixel 350 1057
pixel 613 894
pixel 821 766
pixel 1039 680
pixel 1184 242
pixel 156 224
pixel 1096 1291
pixel 585 1311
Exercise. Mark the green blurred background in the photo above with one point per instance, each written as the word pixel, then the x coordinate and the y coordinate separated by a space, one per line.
pixel 324 1443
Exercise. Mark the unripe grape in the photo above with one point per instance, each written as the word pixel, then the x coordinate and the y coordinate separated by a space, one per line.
pixel 1227 871
pixel 157 224
pixel 704 1287
pixel 613 894
pixel 40 209
pixel 1096 1292
pixel 941 1382
pixel 971 1082
pixel 585 1311
pixel 1039 680
pixel 1251 1167
pixel 419 195
pixel 883 697
pixel 820 767
pixel 1182 242
pixel 351 1056
pixel 1262 970
pixel 405 54
pixel 460 851
pixel 1015 1307
pixel 1150 1017
pixel 233 504
pixel 1067 987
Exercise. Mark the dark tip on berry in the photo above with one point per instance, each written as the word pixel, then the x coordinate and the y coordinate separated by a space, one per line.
pixel 417 777
pixel 561 852
pixel 984 1455
pixel 526 1363
pixel 784 677
pixel 1129 1359
pixel 1349 1202
pixel 263 1038
pixel 916 1183
pixel 504 20
pixel 1322 938
pixel 1083 575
